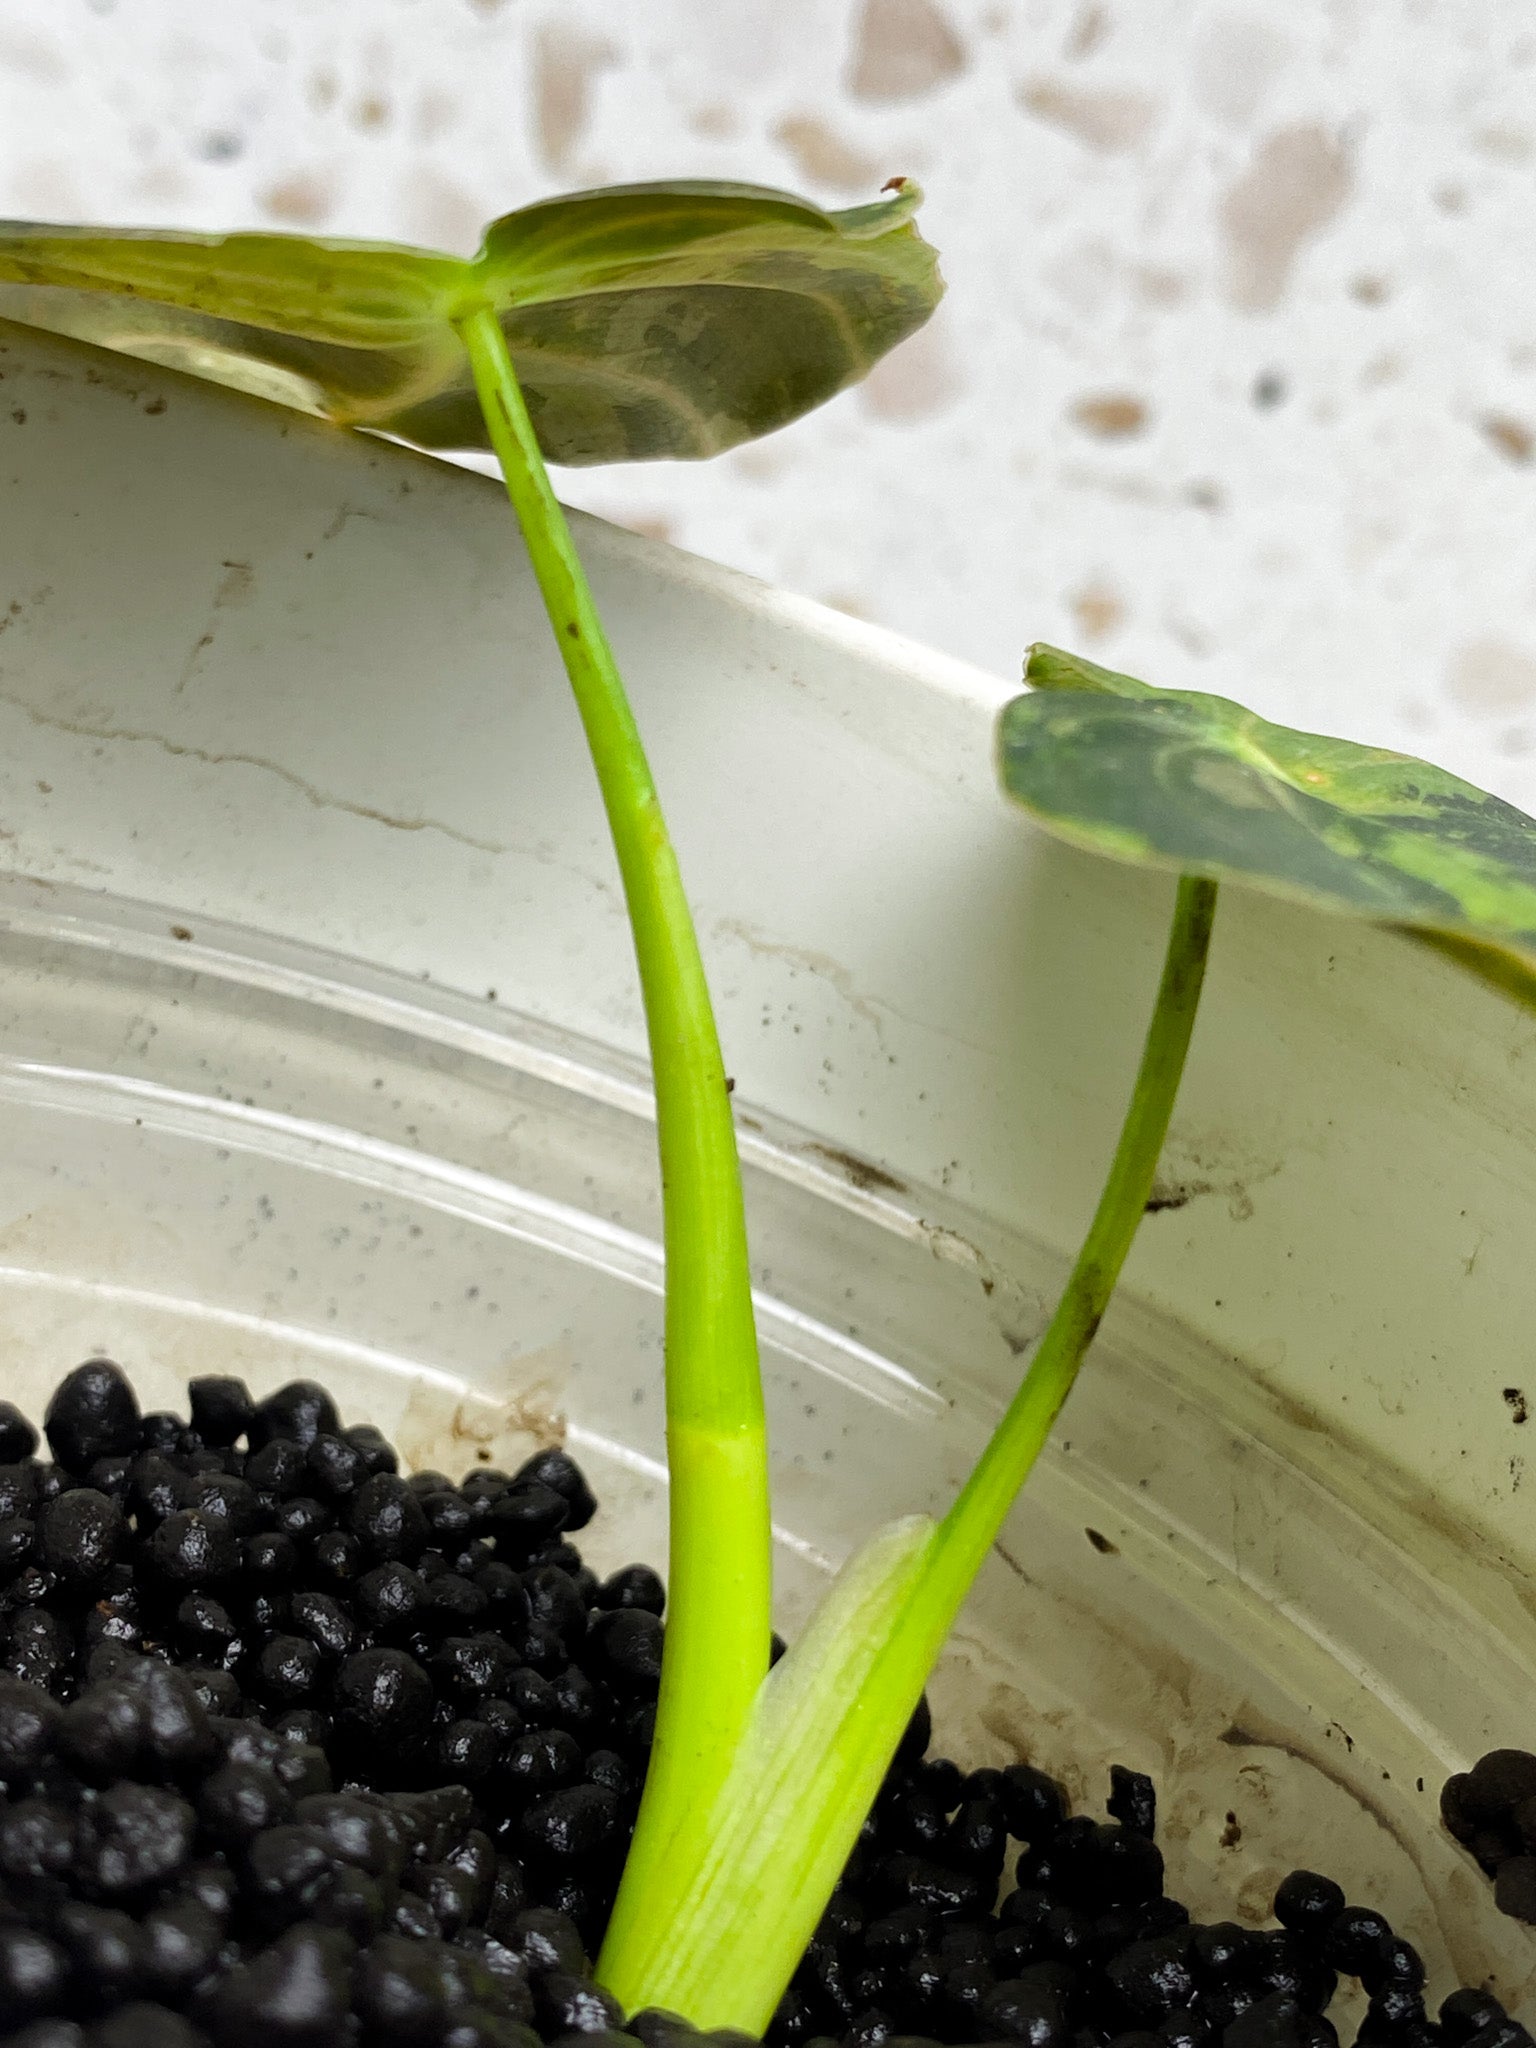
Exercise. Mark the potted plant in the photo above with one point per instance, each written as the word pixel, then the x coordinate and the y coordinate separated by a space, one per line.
pixel 704 1716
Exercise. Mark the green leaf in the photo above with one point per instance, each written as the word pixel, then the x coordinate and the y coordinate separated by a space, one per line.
pixel 644 321
pixel 1197 784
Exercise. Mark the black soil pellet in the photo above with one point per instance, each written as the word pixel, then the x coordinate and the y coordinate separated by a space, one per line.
pixel 1491 1809
pixel 297 1751
pixel 18 1439
pixel 93 1414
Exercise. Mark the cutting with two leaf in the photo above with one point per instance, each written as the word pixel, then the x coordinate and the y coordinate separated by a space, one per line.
pixel 679 321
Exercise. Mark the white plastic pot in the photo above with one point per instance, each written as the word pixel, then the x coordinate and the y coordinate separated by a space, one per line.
pixel 320 1050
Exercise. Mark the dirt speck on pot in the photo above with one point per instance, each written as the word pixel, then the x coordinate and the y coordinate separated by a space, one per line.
pixel 863 1174
pixel 443 1428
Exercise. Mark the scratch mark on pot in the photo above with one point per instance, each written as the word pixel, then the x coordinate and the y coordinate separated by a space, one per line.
pixel 1239 1737
pixel 343 514
pixel 954 1250
pixel 189 666
pixel 1295 1412
pixel 181 750
pixel 1008 1558
pixel 822 965
pixel 233 588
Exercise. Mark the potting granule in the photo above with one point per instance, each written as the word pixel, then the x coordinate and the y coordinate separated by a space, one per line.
pixel 1491 1810
pixel 299 1753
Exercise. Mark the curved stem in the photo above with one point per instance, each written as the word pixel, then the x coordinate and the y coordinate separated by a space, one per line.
pixel 971 1526
pixel 728 1924
pixel 718 1624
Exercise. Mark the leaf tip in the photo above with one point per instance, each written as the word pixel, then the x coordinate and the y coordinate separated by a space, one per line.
pixel 898 201
pixel 1053 668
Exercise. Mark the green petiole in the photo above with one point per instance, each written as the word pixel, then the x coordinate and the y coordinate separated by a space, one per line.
pixel 970 1528
pixel 759 1783
pixel 719 1601
pixel 727 1922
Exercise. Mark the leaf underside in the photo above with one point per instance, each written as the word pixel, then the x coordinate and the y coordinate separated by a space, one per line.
pixel 644 321
pixel 1198 785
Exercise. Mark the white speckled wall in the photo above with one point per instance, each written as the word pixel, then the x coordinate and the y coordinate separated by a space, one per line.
pixel 1236 381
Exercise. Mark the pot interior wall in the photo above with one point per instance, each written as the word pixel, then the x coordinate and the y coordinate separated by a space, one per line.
pixel 224 1154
